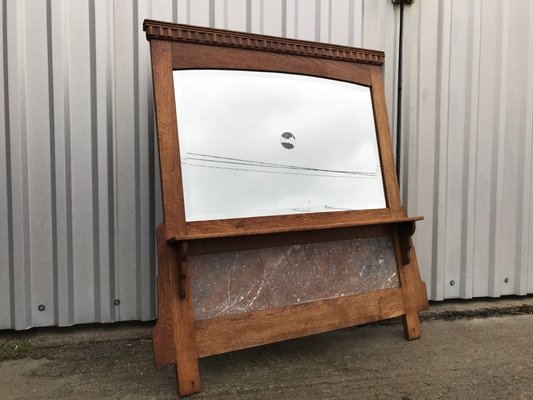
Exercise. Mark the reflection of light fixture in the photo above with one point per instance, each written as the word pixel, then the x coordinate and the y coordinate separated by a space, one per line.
pixel 288 140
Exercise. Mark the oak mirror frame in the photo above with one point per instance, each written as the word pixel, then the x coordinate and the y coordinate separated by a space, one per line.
pixel 189 55
pixel 180 337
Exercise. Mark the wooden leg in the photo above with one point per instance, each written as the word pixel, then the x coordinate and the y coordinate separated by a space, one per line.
pixel 413 297
pixel 411 325
pixel 414 275
pixel 417 298
pixel 174 337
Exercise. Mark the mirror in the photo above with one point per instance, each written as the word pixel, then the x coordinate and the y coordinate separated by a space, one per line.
pixel 263 143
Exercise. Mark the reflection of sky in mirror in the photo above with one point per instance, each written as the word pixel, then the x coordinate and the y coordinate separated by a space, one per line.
pixel 236 163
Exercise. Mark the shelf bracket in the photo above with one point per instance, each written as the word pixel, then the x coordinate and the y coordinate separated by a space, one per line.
pixel 405 231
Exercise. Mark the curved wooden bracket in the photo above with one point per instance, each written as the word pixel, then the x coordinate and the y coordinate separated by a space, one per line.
pixel 405 231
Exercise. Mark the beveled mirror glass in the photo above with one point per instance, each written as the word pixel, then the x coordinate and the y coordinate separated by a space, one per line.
pixel 262 143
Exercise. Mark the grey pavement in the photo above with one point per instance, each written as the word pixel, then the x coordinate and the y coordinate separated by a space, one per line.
pixel 468 350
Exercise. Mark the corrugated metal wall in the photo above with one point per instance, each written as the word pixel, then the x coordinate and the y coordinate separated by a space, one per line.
pixel 77 179
pixel 79 189
pixel 468 115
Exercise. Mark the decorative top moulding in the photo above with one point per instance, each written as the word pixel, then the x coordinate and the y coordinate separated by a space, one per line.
pixel 196 34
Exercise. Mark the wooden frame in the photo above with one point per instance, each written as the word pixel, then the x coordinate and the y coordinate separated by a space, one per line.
pixel 177 337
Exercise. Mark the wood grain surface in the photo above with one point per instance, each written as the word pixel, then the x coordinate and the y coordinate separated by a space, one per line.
pixel 240 331
pixel 174 334
pixel 167 138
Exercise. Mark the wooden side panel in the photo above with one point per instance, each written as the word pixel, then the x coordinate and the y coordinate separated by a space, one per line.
pixel 174 336
pixel 410 291
pixel 163 332
pixel 167 134
pixel 413 275
pixel 241 331
pixel 388 165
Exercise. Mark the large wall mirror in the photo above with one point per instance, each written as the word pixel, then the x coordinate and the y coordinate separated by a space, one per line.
pixel 263 143
pixel 282 214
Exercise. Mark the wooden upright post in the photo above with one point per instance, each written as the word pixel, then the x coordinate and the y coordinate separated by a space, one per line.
pixel 174 337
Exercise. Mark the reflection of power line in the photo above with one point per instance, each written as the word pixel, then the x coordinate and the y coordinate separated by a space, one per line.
pixel 240 161
pixel 253 164
pixel 279 172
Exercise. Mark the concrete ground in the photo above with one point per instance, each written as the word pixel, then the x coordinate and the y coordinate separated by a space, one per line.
pixel 468 350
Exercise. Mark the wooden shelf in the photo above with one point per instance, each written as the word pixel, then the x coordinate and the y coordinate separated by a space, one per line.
pixel 251 226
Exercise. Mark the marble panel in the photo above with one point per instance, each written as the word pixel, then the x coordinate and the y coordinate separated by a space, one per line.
pixel 248 280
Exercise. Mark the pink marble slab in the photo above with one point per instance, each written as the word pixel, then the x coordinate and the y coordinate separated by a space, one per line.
pixel 248 280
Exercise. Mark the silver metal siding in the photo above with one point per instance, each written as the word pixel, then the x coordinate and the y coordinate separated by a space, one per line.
pixel 468 122
pixel 79 182
pixel 80 195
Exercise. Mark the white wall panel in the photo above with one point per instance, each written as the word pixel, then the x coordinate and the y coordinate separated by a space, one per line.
pixel 102 119
pixel 271 23
pixel 6 265
pixel 38 161
pixel 468 137
pixel 18 191
pixel 60 174
pixel 80 194
pixel 524 281
pixel 79 188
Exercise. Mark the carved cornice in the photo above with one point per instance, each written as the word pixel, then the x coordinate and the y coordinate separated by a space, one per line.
pixel 219 37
